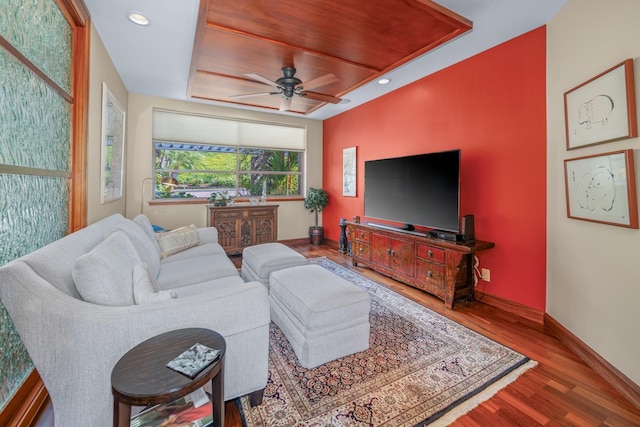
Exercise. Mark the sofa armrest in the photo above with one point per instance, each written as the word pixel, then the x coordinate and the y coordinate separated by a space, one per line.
pixel 208 234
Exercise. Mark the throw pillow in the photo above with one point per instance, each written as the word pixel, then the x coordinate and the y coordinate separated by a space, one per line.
pixel 149 229
pixel 178 240
pixel 145 247
pixel 145 288
pixel 104 275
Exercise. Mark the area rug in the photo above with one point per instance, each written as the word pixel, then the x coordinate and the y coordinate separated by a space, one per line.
pixel 421 368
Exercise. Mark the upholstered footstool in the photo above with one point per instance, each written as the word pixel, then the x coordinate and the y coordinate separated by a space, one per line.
pixel 259 261
pixel 323 316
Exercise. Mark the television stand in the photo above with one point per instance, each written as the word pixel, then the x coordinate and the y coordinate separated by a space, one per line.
pixel 440 267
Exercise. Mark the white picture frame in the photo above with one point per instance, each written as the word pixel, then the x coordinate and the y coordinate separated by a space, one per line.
pixel 112 147
pixel 349 161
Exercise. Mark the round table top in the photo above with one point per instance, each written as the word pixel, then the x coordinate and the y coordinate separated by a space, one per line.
pixel 141 376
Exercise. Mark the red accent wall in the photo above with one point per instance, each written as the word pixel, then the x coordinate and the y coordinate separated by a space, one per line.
pixel 493 107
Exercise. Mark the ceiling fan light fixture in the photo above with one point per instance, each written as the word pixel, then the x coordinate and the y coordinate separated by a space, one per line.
pixel 384 81
pixel 138 18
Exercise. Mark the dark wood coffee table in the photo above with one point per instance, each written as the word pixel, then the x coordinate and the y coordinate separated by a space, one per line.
pixel 141 377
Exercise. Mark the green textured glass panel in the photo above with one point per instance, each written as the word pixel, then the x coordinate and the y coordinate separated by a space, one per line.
pixel 35 121
pixel 15 363
pixel 39 30
pixel 35 215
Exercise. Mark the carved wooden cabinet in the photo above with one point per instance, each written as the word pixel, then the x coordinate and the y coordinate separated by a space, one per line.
pixel 240 226
pixel 439 267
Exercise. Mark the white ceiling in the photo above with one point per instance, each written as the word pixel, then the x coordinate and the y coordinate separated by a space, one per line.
pixel 155 60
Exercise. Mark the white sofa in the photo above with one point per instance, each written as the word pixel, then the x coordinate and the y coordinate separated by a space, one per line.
pixel 74 343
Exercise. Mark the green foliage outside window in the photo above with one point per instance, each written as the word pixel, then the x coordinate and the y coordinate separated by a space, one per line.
pixel 189 170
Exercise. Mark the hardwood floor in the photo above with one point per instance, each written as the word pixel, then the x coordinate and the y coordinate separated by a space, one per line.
pixel 561 391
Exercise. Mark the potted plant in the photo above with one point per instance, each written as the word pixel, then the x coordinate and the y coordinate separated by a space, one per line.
pixel 220 198
pixel 316 200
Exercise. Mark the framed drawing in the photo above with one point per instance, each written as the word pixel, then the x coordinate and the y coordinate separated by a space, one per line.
pixel 602 109
pixel 349 172
pixel 601 188
pixel 112 154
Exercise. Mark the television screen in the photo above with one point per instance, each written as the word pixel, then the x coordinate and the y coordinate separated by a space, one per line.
pixel 420 190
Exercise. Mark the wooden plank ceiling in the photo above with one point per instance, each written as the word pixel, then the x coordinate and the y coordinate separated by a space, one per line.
pixel 356 41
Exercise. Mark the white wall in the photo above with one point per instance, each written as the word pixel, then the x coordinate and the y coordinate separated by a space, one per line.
pixel 293 219
pixel 101 69
pixel 593 274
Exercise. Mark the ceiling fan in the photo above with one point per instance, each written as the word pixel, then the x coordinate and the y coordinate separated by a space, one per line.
pixel 288 86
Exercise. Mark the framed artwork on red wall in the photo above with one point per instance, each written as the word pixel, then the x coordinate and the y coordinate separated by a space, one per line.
pixel 602 109
pixel 349 172
pixel 601 188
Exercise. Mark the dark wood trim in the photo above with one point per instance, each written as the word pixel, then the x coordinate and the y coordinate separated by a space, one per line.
pixel 610 373
pixel 510 306
pixel 25 405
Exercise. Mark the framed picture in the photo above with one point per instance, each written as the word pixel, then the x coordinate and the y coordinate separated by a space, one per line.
pixel 601 188
pixel 602 109
pixel 349 172
pixel 112 154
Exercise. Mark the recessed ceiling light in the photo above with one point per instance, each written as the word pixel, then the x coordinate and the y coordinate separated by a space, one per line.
pixel 344 101
pixel 384 81
pixel 137 18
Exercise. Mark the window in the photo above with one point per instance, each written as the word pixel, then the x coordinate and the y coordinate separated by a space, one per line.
pixel 196 171
pixel 196 156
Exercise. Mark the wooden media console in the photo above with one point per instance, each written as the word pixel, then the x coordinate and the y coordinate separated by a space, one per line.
pixel 440 267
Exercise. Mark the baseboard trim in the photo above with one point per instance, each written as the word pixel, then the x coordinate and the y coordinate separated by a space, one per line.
pixel 606 370
pixel 516 308
pixel 25 405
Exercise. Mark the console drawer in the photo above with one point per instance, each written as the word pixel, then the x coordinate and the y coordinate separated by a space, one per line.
pixel 362 235
pixel 430 275
pixel 361 251
pixel 431 254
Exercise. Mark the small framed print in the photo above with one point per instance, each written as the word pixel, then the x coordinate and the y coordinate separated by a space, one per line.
pixel 602 109
pixel 349 172
pixel 601 188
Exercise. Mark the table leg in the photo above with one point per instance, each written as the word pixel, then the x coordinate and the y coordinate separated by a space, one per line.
pixel 217 397
pixel 121 414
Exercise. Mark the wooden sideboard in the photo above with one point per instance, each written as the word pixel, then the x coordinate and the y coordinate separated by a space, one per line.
pixel 440 267
pixel 240 226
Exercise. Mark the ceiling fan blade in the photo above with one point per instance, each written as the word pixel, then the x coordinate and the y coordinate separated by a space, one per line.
pixel 261 79
pixel 321 97
pixel 285 104
pixel 327 79
pixel 253 94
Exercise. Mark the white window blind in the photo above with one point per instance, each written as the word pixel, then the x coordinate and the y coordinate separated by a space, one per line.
pixel 171 126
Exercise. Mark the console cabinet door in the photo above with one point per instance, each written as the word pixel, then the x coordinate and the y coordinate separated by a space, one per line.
pixel 380 250
pixel 403 257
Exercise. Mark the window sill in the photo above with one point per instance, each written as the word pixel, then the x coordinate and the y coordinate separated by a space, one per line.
pixel 186 201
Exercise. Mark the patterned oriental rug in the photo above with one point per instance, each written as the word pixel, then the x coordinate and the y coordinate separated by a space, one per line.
pixel 421 368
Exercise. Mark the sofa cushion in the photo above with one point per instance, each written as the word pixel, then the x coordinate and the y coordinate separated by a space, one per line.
pixel 105 275
pixel 143 222
pixel 145 288
pixel 143 245
pixel 178 240
pixel 195 270
pixel 208 286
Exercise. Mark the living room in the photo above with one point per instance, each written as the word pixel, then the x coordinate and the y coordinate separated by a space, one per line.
pixel 545 266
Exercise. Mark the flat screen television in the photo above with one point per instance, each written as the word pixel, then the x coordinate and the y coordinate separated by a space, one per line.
pixel 421 190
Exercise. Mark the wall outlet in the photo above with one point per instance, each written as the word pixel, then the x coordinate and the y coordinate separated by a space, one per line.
pixel 485 274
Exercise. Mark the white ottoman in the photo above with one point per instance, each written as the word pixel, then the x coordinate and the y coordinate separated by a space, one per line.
pixel 323 316
pixel 259 261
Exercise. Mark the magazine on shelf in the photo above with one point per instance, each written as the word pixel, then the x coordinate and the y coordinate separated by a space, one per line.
pixel 194 360
pixel 181 412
